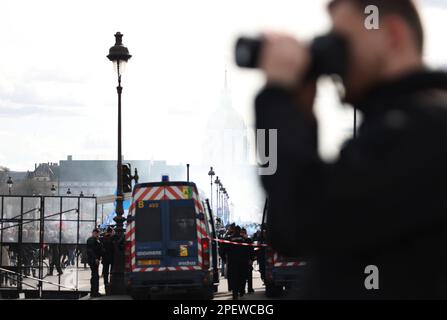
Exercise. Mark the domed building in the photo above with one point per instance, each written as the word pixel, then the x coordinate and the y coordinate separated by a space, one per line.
pixel 226 141
pixel 226 148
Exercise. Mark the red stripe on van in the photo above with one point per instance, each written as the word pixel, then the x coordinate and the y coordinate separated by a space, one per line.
pixel 197 203
pixel 129 233
pixel 201 231
pixel 173 193
pixel 156 193
pixel 145 192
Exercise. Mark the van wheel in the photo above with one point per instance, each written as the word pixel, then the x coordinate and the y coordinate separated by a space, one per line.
pixel 139 294
pixel 272 291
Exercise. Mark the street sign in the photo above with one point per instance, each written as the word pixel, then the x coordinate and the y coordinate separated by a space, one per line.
pixel 112 198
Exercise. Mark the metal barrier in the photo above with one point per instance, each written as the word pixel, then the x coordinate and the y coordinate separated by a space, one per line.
pixel 43 234
pixel 40 280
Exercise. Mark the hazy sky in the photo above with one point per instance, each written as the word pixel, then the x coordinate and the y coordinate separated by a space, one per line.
pixel 57 88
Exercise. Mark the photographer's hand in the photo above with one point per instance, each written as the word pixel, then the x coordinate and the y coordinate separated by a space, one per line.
pixel 284 60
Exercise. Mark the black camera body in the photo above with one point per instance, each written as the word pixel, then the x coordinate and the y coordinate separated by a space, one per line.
pixel 329 54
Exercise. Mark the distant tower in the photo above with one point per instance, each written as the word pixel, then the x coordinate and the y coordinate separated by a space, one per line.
pixel 226 137
pixel 225 148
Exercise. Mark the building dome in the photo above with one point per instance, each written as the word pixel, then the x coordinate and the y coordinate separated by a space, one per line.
pixel 226 117
pixel 226 133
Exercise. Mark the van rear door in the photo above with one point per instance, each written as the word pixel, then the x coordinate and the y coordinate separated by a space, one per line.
pixel 149 234
pixel 182 246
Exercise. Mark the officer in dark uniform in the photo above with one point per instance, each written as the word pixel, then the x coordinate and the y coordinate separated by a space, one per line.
pixel 237 263
pixel 373 225
pixel 55 259
pixel 107 257
pixel 222 251
pixel 94 251
pixel 261 251
pixel 251 257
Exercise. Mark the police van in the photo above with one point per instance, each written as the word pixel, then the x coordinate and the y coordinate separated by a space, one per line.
pixel 281 273
pixel 170 241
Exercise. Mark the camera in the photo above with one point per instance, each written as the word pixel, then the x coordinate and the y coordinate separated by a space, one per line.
pixel 329 54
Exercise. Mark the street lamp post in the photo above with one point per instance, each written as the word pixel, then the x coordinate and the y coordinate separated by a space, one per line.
pixel 229 208
pixel 223 203
pixel 217 182
pixel 9 183
pixel 211 173
pixel 220 199
pixel 119 55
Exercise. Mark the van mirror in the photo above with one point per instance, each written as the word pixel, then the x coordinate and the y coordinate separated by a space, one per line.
pixel 201 216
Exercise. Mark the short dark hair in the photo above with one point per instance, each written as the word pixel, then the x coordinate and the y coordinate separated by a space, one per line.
pixel 95 230
pixel 406 9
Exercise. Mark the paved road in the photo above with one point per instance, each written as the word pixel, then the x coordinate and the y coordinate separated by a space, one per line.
pixel 80 278
pixel 72 279
pixel 259 293
pixel 222 294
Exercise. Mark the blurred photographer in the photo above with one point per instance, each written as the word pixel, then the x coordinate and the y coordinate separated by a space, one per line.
pixel 384 202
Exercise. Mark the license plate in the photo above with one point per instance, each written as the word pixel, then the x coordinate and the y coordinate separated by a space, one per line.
pixel 149 262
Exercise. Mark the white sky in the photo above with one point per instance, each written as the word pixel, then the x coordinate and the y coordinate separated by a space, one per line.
pixel 57 88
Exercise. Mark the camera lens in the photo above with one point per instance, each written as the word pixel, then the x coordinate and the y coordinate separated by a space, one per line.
pixel 247 52
pixel 329 54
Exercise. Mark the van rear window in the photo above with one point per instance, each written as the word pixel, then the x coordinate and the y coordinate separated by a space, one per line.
pixel 148 224
pixel 183 223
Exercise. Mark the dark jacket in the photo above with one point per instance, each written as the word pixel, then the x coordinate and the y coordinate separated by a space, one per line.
pixel 223 246
pixel 382 203
pixel 54 252
pixel 250 250
pixel 107 247
pixel 94 250
pixel 237 262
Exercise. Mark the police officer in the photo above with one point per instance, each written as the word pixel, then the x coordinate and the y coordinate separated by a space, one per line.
pixel 94 250
pixel 55 259
pixel 251 257
pixel 237 262
pixel 383 202
pixel 107 257
pixel 261 251
pixel 223 252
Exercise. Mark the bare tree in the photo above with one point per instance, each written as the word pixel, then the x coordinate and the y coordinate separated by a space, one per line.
pixel 4 174
pixel 4 171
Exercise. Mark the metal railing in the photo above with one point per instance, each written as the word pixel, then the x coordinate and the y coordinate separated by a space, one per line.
pixel 47 213
pixel 41 281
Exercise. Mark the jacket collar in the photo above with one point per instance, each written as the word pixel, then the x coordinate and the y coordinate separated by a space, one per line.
pixel 378 98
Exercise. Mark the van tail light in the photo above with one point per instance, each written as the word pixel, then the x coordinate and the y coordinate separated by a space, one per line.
pixel 205 242
pixel 127 256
